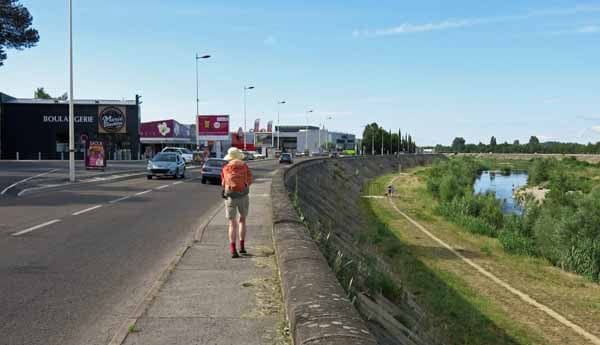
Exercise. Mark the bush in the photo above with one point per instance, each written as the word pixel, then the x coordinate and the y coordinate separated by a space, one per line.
pixel 539 171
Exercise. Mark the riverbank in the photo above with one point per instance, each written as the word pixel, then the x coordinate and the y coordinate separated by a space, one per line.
pixel 472 308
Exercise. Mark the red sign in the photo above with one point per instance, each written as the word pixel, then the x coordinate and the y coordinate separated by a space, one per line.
pixel 213 126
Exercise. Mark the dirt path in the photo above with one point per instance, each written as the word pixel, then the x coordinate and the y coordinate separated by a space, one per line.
pixel 557 322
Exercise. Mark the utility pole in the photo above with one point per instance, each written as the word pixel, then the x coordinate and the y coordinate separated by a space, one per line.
pixel 71 105
pixel 382 140
pixel 198 99
pixel 373 144
pixel 306 132
pixel 278 125
pixel 246 88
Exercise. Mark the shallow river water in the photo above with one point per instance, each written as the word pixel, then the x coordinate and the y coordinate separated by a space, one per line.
pixel 502 186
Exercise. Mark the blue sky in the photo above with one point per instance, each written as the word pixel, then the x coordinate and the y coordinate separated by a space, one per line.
pixel 438 69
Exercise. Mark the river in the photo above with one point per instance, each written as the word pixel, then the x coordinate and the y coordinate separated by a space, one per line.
pixel 502 186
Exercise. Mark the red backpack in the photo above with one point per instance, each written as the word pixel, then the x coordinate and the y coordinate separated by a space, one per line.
pixel 236 178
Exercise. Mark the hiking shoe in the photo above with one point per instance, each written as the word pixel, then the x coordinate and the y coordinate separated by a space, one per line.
pixel 235 255
pixel 243 251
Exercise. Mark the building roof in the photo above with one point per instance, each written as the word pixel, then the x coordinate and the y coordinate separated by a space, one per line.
pixel 4 98
pixel 295 128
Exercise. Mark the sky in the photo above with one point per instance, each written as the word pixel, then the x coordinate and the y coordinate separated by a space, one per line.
pixel 437 69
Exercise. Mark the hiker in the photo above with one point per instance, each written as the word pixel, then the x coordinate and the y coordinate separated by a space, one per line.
pixel 390 192
pixel 236 178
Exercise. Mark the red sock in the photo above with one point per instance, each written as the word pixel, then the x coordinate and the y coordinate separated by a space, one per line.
pixel 232 247
pixel 242 245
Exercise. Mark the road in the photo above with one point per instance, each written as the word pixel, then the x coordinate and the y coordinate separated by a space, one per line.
pixel 16 175
pixel 85 255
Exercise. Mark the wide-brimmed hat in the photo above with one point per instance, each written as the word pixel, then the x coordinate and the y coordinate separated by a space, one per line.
pixel 234 153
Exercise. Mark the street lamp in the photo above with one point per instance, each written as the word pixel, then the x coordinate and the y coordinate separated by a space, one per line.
pixel 198 99
pixel 278 129
pixel 327 140
pixel 71 106
pixel 246 88
pixel 306 131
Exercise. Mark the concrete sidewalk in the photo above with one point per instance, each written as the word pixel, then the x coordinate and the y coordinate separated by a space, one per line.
pixel 210 298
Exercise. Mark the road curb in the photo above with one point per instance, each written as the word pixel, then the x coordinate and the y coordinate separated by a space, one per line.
pixel 123 330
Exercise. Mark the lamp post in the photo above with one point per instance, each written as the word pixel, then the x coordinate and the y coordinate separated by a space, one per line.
pixel 278 106
pixel 327 140
pixel 197 98
pixel 71 106
pixel 246 88
pixel 306 131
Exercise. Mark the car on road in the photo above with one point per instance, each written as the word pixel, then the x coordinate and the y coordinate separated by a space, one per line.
pixel 286 158
pixel 186 154
pixel 249 156
pixel 166 164
pixel 211 170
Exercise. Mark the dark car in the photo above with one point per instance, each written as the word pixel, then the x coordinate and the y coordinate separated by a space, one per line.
pixel 211 170
pixel 286 158
pixel 166 164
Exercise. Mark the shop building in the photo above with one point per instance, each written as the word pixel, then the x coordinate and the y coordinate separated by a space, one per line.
pixel 312 139
pixel 156 135
pixel 39 128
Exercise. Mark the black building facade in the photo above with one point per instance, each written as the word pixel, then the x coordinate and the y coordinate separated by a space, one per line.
pixel 37 128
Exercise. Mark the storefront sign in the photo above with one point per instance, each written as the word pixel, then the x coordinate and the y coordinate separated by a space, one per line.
pixel 165 129
pixel 95 155
pixel 213 127
pixel 112 119
pixel 64 119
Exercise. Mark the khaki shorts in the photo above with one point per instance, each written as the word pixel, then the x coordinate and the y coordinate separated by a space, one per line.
pixel 233 205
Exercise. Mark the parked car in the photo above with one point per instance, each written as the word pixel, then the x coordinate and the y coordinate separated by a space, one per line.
pixel 334 154
pixel 166 164
pixel 211 170
pixel 187 154
pixel 286 158
pixel 248 156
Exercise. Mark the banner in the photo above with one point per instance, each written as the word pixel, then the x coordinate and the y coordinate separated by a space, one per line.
pixel 257 125
pixel 95 155
pixel 212 127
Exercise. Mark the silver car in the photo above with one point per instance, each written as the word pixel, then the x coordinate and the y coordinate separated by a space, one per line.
pixel 166 164
pixel 211 170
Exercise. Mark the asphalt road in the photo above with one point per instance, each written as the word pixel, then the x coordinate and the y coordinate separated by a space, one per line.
pixel 28 173
pixel 74 280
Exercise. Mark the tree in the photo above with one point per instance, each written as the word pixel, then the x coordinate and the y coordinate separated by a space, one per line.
pixel 41 94
pixel 533 140
pixel 63 97
pixel 15 28
pixel 516 142
pixel 458 144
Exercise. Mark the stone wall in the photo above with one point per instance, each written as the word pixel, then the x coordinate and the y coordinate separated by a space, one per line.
pixel 322 197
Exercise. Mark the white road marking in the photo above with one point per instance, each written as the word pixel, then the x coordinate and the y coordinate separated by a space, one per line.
pixel 523 296
pixel 119 199
pixel 162 187
pixel 25 180
pixel 87 210
pixel 178 182
pixel 36 227
pixel 144 192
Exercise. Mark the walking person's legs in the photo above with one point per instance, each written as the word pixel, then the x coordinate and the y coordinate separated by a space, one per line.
pixel 243 206
pixel 231 214
pixel 242 233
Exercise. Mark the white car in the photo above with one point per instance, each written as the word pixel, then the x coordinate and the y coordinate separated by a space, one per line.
pixel 186 154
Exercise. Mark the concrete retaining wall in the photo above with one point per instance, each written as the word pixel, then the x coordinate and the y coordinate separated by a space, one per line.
pixel 325 190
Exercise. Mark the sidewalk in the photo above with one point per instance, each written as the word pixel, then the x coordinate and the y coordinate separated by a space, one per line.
pixel 210 298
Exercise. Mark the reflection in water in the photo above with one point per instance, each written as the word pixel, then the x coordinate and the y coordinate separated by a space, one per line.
pixel 502 186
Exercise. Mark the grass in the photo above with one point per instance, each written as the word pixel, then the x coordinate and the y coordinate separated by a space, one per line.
pixel 133 329
pixel 471 308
